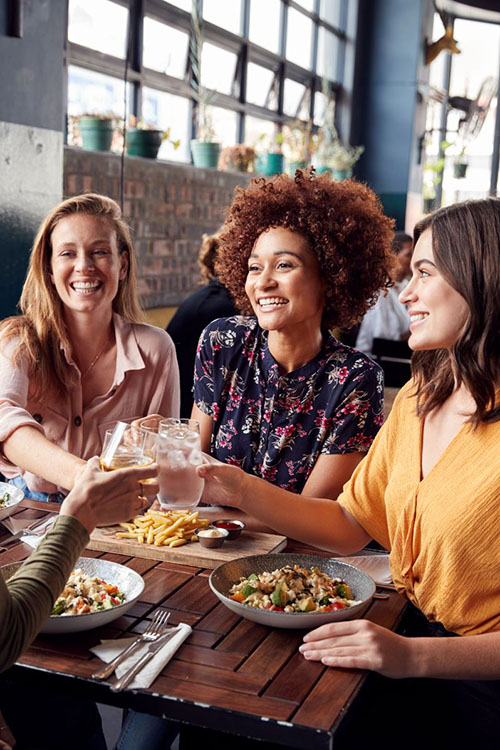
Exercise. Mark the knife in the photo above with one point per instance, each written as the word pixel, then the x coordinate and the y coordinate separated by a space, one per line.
pixel 151 650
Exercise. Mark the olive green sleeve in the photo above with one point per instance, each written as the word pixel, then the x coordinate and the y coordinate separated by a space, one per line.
pixel 27 599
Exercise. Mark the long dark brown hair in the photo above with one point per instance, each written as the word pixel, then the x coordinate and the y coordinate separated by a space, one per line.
pixel 466 246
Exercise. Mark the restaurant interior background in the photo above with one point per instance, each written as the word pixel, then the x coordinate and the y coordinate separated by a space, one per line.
pixel 268 63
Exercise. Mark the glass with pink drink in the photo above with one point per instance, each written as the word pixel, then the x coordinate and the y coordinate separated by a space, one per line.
pixel 178 454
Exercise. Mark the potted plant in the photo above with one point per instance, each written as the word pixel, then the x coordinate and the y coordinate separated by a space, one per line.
pixel 94 131
pixel 299 144
pixel 238 158
pixel 332 155
pixel 142 139
pixel 270 160
pixel 205 147
pixel 460 165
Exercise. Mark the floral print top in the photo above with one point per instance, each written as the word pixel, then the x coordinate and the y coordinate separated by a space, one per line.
pixel 276 426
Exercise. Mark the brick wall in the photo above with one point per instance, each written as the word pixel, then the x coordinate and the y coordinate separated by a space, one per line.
pixel 168 206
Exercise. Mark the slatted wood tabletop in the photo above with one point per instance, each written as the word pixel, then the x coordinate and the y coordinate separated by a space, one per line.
pixel 229 674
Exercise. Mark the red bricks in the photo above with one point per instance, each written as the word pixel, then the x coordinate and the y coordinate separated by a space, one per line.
pixel 168 206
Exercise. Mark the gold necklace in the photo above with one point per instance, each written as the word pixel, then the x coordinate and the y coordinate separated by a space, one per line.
pixel 94 360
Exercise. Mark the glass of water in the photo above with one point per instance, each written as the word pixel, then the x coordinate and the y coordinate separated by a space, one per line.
pixel 178 454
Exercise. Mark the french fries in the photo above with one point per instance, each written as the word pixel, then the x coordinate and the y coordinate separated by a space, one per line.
pixel 171 528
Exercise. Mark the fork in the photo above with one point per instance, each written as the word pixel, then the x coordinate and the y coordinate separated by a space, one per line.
pixel 155 629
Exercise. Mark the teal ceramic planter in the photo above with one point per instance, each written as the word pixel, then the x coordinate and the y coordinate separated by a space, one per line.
pixel 205 155
pixel 96 134
pixel 270 164
pixel 145 143
pixel 324 170
pixel 459 170
pixel 293 165
pixel 341 174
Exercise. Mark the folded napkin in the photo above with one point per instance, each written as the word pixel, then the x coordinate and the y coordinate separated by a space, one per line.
pixel 376 566
pixel 34 541
pixel 108 650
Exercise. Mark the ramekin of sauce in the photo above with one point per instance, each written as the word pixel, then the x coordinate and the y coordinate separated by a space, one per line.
pixel 231 525
pixel 211 537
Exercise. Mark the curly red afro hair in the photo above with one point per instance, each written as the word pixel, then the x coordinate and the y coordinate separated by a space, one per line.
pixel 343 223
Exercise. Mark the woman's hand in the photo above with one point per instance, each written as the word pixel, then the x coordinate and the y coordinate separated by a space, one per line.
pixel 224 484
pixel 100 497
pixel 7 739
pixel 360 644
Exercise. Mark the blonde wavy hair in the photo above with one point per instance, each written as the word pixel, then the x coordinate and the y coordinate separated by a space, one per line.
pixel 40 328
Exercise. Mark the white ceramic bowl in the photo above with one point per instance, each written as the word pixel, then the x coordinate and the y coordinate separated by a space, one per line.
pixel 127 580
pixel 16 495
pixel 227 574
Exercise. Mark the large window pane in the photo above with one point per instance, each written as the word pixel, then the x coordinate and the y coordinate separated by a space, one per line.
pixel 100 25
pixel 183 4
pixel 226 15
pixel 299 38
pixel 165 48
pixel 225 126
pixel 163 111
pixel 306 4
pixel 258 133
pixel 320 104
pixel 260 86
pixel 293 98
pixel 328 52
pixel 330 10
pixel 93 93
pixel 265 23
pixel 217 68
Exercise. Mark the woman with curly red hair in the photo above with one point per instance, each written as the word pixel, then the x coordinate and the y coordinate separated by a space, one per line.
pixel 276 393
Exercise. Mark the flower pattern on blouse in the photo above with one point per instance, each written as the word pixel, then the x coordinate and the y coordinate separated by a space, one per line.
pixel 276 426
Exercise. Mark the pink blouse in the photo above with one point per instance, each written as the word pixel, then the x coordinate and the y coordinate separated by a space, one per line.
pixel 146 381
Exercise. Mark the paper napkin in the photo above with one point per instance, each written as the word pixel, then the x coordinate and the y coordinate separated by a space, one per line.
pixel 376 566
pixel 108 650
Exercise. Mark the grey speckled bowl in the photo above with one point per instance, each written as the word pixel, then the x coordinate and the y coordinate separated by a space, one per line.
pixel 127 580
pixel 227 574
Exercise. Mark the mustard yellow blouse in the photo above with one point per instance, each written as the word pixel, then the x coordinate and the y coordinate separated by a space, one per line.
pixel 443 532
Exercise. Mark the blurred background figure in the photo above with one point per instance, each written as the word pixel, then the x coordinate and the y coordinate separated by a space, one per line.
pixel 210 302
pixel 388 318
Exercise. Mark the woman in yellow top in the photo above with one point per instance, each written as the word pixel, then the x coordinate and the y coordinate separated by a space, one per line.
pixel 428 489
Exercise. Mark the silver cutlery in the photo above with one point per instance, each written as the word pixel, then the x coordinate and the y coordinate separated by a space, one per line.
pixel 153 632
pixel 151 650
pixel 24 532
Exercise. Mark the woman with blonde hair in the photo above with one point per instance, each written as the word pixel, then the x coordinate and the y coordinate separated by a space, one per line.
pixel 79 358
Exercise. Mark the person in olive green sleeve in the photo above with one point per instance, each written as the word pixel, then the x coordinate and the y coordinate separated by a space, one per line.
pixel 26 599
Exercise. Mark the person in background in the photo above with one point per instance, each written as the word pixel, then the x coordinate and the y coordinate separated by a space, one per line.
pixel 79 358
pixel 210 302
pixel 388 318
pixel 428 491
pixel 26 600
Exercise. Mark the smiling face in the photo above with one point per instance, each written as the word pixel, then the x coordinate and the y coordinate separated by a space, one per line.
pixel 85 263
pixel 438 312
pixel 283 282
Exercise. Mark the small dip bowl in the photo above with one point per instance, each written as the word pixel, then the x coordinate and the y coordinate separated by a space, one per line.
pixel 206 539
pixel 231 525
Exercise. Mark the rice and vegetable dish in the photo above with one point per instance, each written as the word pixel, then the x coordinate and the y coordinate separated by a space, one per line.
pixel 84 593
pixel 293 589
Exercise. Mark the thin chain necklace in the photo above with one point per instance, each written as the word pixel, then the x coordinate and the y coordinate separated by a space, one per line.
pixel 94 360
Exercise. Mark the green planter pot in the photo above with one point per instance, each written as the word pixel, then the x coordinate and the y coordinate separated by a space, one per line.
pixel 145 143
pixel 428 205
pixel 205 155
pixel 293 165
pixel 459 170
pixel 96 134
pixel 270 164
pixel 341 174
pixel 324 170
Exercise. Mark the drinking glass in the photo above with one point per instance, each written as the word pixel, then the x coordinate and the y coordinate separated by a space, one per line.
pixel 178 453
pixel 128 451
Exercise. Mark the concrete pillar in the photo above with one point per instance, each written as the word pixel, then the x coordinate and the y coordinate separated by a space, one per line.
pixel 31 138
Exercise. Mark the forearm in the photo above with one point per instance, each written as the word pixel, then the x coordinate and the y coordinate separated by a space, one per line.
pixel 320 522
pixel 28 599
pixel 29 449
pixel 475 657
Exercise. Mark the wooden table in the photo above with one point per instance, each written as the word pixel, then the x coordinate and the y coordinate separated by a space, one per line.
pixel 228 674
